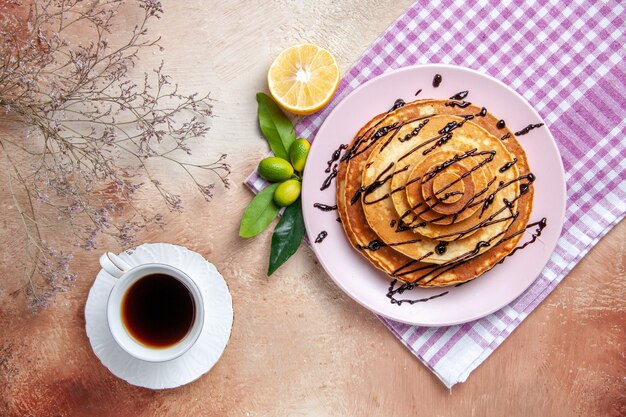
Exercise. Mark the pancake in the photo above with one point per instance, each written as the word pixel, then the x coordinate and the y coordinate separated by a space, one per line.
pixel 392 162
pixel 467 260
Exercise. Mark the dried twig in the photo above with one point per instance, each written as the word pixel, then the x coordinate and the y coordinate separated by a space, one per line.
pixel 88 118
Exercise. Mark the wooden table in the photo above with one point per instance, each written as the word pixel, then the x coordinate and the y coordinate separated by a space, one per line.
pixel 299 346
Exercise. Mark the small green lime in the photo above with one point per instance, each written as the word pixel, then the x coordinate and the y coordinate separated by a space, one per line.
pixel 287 193
pixel 275 169
pixel 298 151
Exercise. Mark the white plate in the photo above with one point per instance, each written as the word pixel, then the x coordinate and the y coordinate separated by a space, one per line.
pixel 194 363
pixel 367 285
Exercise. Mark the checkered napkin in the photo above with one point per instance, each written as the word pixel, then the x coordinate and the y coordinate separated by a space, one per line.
pixel 567 60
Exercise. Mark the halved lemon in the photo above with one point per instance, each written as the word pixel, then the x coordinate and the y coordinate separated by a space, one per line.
pixel 303 78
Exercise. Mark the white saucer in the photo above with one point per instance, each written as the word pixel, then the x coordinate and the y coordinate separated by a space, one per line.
pixel 194 363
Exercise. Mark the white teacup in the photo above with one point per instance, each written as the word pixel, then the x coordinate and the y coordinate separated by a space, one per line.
pixel 126 277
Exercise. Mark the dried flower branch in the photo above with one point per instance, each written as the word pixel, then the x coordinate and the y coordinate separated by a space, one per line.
pixel 93 130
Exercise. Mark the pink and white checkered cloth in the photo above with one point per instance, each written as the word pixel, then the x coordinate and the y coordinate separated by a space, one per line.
pixel 567 60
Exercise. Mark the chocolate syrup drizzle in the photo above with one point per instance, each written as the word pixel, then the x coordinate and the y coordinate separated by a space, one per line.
pixel 441 247
pixel 430 272
pixel 374 245
pixel 397 104
pixel 324 207
pixel 414 132
pixel 508 165
pixel 329 179
pixel 455 263
pixel 460 95
pixel 388 173
pixel 528 129
pixel 457 103
pixel 404 287
pixel 321 236
pixel 335 156
pixel 541 224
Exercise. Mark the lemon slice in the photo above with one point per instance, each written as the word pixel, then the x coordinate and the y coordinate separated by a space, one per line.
pixel 303 78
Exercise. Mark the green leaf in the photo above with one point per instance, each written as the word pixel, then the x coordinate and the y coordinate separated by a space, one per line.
pixel 276 127
pixel 259 213
pixel 287 236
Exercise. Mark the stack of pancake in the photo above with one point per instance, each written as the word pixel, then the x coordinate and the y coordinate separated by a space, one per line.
pixel 434 192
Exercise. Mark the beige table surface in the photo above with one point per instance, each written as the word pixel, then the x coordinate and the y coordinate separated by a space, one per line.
pixel 300 347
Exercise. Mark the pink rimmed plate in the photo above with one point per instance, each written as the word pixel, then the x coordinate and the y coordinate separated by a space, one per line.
pixel 489 292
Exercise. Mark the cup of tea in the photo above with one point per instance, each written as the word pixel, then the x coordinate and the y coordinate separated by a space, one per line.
pixel 155 311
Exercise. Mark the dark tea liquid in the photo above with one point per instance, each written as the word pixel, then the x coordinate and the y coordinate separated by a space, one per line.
pixel 158 310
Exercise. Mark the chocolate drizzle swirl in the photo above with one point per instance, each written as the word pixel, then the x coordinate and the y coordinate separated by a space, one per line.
pixel 414 132
pixel 432 271
pixel 508 165
pixel 405 287
pixel 324 207
pixel 485 198
pixel 441 248
pixel 541 224
pixel 374 245
pixel 457 103
pixel 397 104
pixel 387 174
pixel 528 129
pixel 437 80
pixel 321 236
pixel 335 156
pixel 460 95
pixel 330 178
pixel 365 142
